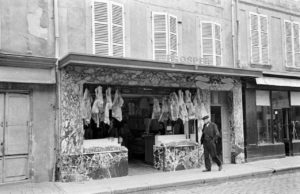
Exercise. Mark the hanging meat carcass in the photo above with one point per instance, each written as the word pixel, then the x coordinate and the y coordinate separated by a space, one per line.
pixel 156 109
pixel 108 106
pixel 165 110
pixel 98 106
pixel 189 104
pixel 183 113
pixel 197 104
pixel 117 106
pixel 86 107
pixel 174 106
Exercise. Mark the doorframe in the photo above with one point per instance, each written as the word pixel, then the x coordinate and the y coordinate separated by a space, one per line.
pixel 29 92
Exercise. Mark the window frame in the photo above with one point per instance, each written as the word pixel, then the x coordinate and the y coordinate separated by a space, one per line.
pixel 214 55
pixel 259 38
pixel 110 26
pixel 292 42
pixel 168 49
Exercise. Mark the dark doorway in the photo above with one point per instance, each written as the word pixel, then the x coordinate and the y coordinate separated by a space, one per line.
pixel 215 112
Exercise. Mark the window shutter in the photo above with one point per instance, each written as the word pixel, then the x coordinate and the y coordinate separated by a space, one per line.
pixel 159 25
pixel 288 43
pixel 101 28
pixel 264 39
pixel 254 31
pixel 207 43
pixel 117 29
pixel 218 49
pixel 296 44
pixel 173 44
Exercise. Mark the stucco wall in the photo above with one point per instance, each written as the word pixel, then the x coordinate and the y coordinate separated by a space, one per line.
pixel 27 27
pixel 75 17
pixel 277 11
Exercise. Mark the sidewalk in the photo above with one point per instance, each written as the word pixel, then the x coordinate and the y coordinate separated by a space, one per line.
pixel 148 182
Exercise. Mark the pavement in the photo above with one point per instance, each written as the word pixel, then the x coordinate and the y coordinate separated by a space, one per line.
pixel 155 181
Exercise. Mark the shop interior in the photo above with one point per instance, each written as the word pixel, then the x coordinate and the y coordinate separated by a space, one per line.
pixel 142 123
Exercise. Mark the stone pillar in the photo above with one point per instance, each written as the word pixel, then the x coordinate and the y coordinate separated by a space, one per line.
pixel 237 128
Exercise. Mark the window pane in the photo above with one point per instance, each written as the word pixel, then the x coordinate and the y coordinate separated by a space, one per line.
pixel 263 124
pixel 263 98
pixel 296 122
pixel 280 99
pixel 208 59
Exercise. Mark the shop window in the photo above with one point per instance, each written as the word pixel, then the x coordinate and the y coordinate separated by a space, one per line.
pixel 165 36
pixel 280 115
pixel 259 38
pixel 108 28
pixel 211 47
pixel 295 121
pixel 263 109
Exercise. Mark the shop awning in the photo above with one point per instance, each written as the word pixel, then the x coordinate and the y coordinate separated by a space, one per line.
pixel 128 63
pixel 275 81
pixel 27 69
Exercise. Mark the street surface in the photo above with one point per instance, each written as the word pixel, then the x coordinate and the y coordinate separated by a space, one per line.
pixel 275 184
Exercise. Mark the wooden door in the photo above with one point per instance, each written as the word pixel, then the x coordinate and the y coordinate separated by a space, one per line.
pixel 2 123
pixel 16 137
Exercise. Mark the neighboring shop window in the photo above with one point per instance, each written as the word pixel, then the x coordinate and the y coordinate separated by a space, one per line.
pixel 280 106
pixel 164 36
pixel 263 109
pixel 295 103
pixel 211 49
pixel 259 38
pixel 108 28
pixel 292 44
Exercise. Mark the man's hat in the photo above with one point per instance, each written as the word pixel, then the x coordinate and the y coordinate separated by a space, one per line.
pixel 205 117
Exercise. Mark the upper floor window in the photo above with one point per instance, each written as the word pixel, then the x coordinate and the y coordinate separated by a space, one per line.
pixel 211 50
pixel 108 28
pixel 164 36
pixel 259 38
pixel 292 44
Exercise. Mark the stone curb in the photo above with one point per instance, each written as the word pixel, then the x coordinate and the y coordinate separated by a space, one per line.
pixel 218 180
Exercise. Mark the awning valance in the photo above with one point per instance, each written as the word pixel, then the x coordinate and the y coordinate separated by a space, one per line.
pixel 275 81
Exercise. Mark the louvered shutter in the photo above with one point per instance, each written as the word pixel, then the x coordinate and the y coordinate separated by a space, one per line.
pixel 218 52
pixel 173 44
pixel 207 43
pixel 255 49
pixel 288 43
pixel 101 28
pixel 296 44
pixel 159 29
pixel 264 42
pixel 117 29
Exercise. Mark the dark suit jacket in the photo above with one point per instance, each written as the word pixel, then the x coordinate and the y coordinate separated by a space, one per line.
pixel 210 132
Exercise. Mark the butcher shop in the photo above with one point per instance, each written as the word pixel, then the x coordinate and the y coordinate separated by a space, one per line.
pixel 122 117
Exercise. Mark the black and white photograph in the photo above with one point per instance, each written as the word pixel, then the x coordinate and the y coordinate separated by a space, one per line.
pixel 150 96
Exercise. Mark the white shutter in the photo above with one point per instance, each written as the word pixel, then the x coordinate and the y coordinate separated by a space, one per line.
pixel 264 40
pixel 159 29
pixel 288 43
pixel 173 43
pixel 117 29
pixel 296 34
pixel 254 36
pixel 100 28
pixel 218 48
pixel 207 47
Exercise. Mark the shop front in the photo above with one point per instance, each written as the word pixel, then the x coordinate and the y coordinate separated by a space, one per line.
pixel 273 113
pixel 118 115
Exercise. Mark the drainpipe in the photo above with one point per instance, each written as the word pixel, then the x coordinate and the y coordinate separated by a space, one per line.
pixel 57 90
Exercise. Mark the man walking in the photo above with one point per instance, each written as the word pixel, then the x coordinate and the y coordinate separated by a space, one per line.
pixel 210 134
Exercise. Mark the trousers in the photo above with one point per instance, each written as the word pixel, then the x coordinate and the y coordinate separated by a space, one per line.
pixel 210 150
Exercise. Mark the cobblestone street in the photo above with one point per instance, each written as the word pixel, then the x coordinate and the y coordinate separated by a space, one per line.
pixel 275 184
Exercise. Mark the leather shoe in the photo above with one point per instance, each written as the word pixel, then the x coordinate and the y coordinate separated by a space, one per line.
pixel 220 168
pixel 206 170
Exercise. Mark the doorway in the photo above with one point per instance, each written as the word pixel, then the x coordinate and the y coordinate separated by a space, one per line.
pixel 216 118
pixel 14 136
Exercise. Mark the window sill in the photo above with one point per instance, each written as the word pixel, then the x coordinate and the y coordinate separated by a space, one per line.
pixel 292 69
pixel 269 144
pixel 260 65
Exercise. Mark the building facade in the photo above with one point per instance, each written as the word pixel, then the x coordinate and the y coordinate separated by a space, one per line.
pixel 27 91
pixel 268 34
